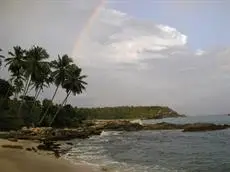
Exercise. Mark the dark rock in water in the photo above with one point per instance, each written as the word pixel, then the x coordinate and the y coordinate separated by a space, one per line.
pixel 13 139
pixel 162 126
pixel 104 169
pixel 125 125
pixel 48 145
pixel 12 146
pixel 203 127
pixel 57 154
pixel 69 143
pixel 186 127
pixel 122 126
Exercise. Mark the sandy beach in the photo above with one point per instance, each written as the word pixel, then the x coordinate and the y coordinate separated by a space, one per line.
pixel 20 160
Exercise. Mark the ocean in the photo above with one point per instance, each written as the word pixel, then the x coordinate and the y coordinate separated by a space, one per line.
pixel 158 151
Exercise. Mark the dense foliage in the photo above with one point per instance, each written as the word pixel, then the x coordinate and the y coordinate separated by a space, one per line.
pixel 127 112
pixel 30 72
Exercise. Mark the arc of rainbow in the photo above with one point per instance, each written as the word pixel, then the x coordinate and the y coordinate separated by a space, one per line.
pixel 87 27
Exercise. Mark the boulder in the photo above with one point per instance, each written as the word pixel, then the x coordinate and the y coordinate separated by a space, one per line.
pixel 203 127
pixel 122 125
pixel 13 146
pixel 162 126
pixel 29 149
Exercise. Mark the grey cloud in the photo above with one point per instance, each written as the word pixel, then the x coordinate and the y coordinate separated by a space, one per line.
pixel 173 76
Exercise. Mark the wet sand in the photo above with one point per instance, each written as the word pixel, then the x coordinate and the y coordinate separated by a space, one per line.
pixel 20 160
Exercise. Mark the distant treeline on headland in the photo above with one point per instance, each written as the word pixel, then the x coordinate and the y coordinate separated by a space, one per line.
pixel 128 112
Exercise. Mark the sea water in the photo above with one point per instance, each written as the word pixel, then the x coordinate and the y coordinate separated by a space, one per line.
pixel 158 151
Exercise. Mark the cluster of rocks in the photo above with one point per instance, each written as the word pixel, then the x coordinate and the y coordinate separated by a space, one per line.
pixel 45 145
pixel 48 135
pixel 52 134
pixel 125 125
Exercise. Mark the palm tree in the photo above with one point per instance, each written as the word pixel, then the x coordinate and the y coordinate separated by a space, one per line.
pixel 42 81
pixel 15 61
pixel 73 83
pixel 1 56
pixel 60 73
pixel 34 61
pixel 18 84
pixel 16 68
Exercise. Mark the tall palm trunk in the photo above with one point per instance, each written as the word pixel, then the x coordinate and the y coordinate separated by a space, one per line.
pixel 55 115
pixel 44 115
pixel 24 94
pixel 35 99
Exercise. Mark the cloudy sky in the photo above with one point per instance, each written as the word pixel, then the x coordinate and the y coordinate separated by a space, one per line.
pixel 135 52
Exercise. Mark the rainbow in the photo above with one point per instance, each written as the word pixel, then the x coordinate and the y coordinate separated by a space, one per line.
pixel 87 27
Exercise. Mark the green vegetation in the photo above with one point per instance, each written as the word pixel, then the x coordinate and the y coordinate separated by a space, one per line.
pixel 30 71
pixel 128 112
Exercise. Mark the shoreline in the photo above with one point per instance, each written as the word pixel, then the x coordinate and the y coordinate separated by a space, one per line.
pixel 22 160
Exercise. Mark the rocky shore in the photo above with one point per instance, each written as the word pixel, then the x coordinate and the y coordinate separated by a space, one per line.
pixel 47 137
pixel 96 127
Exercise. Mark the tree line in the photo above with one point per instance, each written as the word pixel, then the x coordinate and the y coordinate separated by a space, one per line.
pixel 30 72
pixel 127 112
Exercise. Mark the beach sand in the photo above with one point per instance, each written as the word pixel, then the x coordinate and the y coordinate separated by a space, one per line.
pixel 20 160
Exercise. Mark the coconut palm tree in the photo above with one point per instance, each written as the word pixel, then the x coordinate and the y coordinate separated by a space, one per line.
pixel 73 84
pixel 15 61
pixel 42 81
pixel 1 56
pixel 60 73
pixel 18 84
pixel 34 61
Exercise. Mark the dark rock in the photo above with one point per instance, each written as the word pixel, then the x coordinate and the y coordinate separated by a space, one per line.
pixel 162 126
pixel 34 149
pixel 48 145
pixel 69 143
pixel 12 146
pixel 29 149
pixel 57 154
pixel 104 169
pixel 122 126
pixel 54 134
pixel 203 127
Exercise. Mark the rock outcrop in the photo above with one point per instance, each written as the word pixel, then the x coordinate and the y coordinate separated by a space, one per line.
pixel 163 126
pixel 53 134
pixel 203 127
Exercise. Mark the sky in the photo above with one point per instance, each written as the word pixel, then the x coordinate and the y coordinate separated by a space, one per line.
pixel 135 52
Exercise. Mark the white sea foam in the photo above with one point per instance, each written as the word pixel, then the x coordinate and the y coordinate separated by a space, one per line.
pixel 92 153
pixel 109 133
